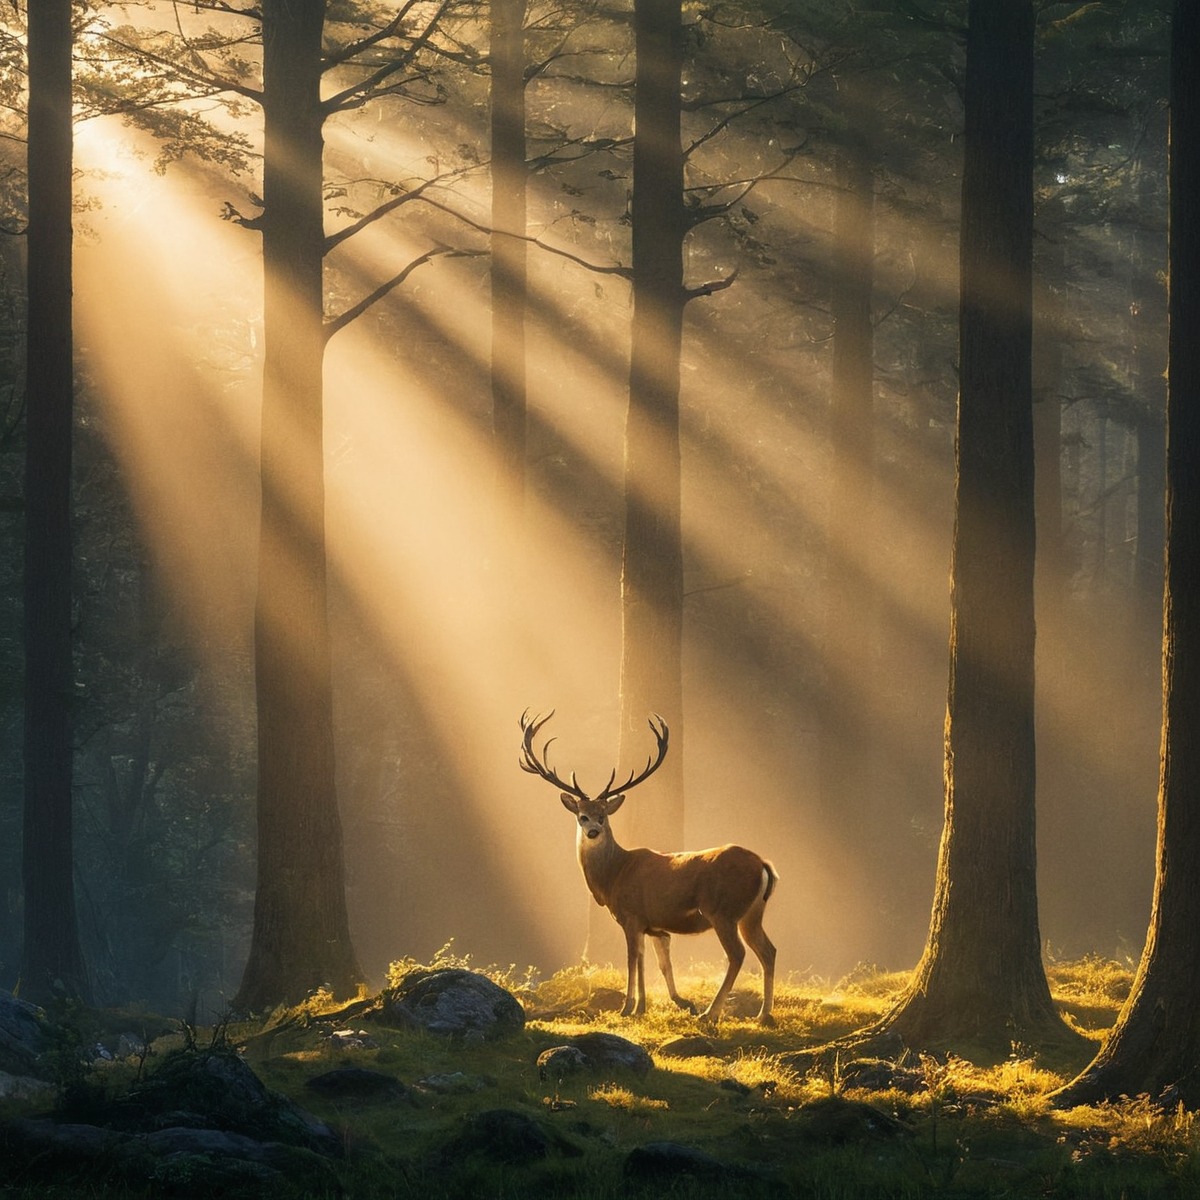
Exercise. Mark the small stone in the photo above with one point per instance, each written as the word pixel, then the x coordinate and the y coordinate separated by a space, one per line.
pixel 688 1046
pixel 357 1083
pixel 452 1083
pixel 560 1061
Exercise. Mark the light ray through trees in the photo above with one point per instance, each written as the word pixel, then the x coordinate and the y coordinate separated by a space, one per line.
pixel 409 473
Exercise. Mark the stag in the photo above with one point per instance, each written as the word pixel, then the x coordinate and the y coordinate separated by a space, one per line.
pixel 655 895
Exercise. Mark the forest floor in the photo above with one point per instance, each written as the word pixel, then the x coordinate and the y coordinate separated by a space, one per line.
pixel 757 1117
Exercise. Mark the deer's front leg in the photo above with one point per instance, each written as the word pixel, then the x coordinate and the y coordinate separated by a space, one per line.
pixel 727 932
pixel 662 947
pixel 635 945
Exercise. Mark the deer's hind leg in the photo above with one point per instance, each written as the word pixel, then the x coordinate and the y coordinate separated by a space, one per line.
pixel 662 947
pixel 764 950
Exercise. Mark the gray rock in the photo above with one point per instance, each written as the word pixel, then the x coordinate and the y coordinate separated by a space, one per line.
pixel 217 1089
pixel 839 1121
pixel 129 1045
pixel 452 1083
pixel 217 1160
pixel 38 1136
pixel 878 1075
pixel 499 1135
pixel 688 1046
pixel 25 1087
pixel 352 1039
pixel 357 1083
pixel 662 1161
pixel 455 1003
pixel 22 1034
pixel 558 1062
pixel 608 1051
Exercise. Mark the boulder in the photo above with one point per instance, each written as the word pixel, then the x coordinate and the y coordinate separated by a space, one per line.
pixel 836 1120
pixel 22 1034
pixel 357 1083
pixel 555 1064
pixel 25 1087
pixel 608 1051
pixel 662 1162
pixel 688 1046
pixel 879 1075
pixel 218 1089
pixel 499 1135
pixel 203 1123
pixel 454 1003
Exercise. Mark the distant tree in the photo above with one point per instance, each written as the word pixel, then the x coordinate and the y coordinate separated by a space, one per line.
pixel 52 960
pixel 1154 1048
pixel 509 247
pixel 981 979
pixel 652 556
pixel 301 936
pixel 849 629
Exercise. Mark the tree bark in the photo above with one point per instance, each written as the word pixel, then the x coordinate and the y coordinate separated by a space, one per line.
pixel 301 938
pixel 1154 1048
pixel 981 983
pixel 652 560
pixel 52 960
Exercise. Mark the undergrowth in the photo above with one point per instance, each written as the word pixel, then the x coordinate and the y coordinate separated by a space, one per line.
pixel 838 1129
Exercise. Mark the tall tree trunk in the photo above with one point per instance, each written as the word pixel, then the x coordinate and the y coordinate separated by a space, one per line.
pixel 981 981
pixel 301 937
pixel 652 561
pixel 509 270
pixel 52 960
pixel 1146 322
pixel 1155 1045
pixel 1049 334
pixel 849 606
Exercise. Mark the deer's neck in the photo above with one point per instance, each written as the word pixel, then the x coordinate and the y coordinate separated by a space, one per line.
pixel 601 859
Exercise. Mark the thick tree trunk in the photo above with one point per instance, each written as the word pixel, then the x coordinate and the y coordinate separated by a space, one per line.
pixel 1048 338
pixel 509 270
pixel 52 961
pixel 301 937
pixel 1155 1045
pixel 981 981
pixel 652 564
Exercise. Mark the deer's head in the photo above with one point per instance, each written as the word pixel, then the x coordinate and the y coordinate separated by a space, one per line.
pixel 592 812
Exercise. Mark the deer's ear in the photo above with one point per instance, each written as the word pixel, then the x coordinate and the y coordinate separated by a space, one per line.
pixel 614 802
pixel 569 802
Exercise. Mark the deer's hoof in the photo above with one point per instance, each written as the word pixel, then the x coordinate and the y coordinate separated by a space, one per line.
pixel 766 1020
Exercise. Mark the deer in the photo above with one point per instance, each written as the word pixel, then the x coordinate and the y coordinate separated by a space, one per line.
pixel 655 895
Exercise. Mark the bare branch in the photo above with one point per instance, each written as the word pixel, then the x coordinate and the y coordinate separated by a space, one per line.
pixel 340 322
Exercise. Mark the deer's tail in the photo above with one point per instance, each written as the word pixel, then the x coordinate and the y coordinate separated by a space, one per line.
pixel 770 879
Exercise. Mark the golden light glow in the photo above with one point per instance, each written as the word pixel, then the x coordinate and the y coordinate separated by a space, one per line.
pixel 460 630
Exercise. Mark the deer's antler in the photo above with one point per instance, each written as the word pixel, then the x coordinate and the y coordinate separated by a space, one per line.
pixel 537 766
pixel 659 728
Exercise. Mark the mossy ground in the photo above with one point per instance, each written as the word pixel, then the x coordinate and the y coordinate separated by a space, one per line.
pixel 965 1130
